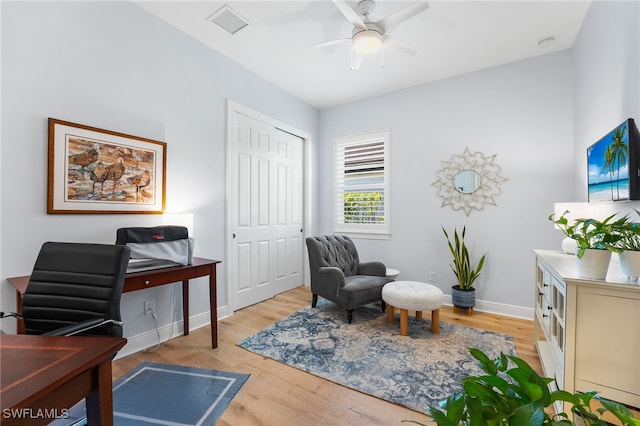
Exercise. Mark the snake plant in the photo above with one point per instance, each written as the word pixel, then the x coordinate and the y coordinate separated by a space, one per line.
pixel 462 266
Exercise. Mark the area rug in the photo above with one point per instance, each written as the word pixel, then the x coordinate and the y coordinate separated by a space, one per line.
pixel 163 394
pixel 369 355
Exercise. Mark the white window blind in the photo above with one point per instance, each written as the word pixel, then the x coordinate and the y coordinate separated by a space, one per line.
pixel 362 190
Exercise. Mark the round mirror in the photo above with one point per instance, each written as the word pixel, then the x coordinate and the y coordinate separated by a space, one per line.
pixel 467 182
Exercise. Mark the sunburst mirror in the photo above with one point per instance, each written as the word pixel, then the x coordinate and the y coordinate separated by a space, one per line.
pixel 469 181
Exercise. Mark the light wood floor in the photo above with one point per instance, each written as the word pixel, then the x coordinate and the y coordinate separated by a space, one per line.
pixel 276 394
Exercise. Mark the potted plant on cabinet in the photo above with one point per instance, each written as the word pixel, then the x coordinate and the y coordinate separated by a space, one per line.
pixel 628 247
pixel 595 240
pixel 463 294
pixel 510 392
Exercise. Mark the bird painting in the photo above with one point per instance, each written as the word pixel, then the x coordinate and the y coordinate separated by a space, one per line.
pixel 140 181
pixel 101 172
pixel 85 158
pixel 98 175
pixel 114 172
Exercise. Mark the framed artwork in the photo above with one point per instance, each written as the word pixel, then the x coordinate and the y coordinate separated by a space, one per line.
pixel 94 170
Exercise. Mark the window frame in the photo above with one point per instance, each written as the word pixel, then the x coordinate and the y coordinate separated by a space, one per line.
pixel 362 230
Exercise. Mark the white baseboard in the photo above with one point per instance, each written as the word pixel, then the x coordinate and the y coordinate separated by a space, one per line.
pixel 498 308
pixel 150 338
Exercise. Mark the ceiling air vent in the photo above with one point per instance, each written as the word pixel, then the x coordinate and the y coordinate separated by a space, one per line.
pixel 228 19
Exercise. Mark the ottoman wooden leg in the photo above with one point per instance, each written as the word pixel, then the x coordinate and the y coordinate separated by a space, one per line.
pixel 418 315
pixel 435 321
pixel 389 313
pixel 404 322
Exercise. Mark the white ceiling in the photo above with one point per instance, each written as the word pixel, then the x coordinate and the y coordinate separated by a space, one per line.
pixel 450 38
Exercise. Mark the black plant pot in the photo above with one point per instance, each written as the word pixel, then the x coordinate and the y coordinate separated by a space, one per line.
pixel 463 298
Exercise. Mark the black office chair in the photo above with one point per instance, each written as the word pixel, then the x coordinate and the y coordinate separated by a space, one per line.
pixel 75 289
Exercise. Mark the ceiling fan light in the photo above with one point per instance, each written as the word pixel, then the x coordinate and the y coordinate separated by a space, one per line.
pixel 367 42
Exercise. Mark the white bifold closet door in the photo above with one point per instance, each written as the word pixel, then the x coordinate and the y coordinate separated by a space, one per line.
pixel 266 208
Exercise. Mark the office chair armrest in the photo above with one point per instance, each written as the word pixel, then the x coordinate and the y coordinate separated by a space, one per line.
pixel 81 327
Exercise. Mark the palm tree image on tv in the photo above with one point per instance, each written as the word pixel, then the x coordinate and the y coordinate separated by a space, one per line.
pixel 608 166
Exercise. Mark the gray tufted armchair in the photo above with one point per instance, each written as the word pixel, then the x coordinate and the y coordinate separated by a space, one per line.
pixel 338 275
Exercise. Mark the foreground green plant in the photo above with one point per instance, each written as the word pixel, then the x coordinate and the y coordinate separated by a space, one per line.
pixel 512 393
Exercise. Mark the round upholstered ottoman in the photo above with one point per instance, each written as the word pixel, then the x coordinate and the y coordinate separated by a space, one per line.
pixel 413 296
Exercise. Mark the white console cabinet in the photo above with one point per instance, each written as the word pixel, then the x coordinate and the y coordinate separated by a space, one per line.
pixel 587 332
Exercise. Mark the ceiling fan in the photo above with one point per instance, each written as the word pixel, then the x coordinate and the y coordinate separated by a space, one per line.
pixel 368 37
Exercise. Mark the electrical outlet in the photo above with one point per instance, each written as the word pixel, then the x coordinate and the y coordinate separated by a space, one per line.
pixel 150 307
pixel 432 277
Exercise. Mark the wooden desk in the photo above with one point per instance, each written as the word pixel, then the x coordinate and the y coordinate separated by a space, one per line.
pixel 43 376
pixel 140 280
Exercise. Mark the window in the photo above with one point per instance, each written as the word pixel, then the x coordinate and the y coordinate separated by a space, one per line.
pixel 362 184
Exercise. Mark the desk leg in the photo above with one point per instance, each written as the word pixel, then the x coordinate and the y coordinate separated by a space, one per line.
pixel 19 321
pixel 185 306
pixel 213 307
pixel 99 402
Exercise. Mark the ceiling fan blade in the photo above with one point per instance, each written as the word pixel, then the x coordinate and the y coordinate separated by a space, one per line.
pixel 349 13
pixel 389 23
pixel 329 43
pixel 393 43
pixel 356 61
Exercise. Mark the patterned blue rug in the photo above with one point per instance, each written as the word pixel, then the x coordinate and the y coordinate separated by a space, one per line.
pixel 163 394
pixel 369 355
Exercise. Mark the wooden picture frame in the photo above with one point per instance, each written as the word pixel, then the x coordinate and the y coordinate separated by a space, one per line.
pixel 93 170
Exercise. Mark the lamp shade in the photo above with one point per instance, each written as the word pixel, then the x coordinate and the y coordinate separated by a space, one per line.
pixel 367 42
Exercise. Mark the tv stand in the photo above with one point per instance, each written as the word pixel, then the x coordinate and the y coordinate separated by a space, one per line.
pixel 587 332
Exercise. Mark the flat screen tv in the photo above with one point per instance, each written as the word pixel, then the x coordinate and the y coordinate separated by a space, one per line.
pixel 613 165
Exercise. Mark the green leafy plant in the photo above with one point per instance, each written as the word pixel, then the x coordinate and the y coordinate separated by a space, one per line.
pixel 591 233
pixel 462 266
pixel 629 232
pixel 512 393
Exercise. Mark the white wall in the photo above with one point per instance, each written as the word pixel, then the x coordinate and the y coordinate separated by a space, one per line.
pixel 522 112
pixel 114 66
pixel 606 68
